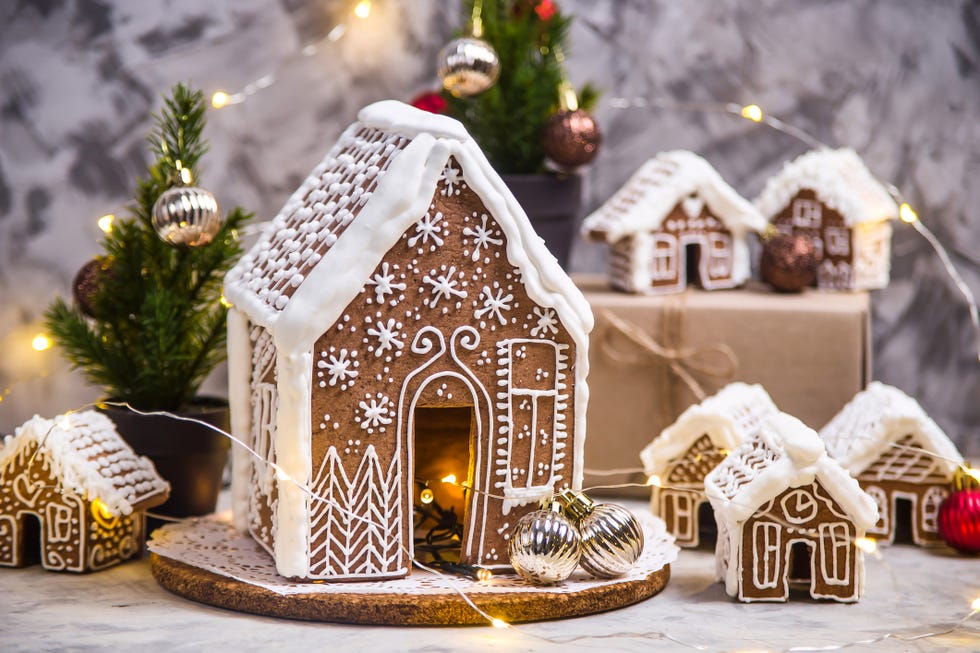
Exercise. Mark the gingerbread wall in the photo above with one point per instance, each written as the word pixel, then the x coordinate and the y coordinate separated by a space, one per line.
pixel 679 507
pixel 806 215
pixel 444 321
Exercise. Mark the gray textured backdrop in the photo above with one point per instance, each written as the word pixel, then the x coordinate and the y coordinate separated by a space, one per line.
pixel 897 80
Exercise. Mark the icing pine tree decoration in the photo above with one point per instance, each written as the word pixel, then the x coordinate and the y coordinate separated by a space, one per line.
pixel 398 323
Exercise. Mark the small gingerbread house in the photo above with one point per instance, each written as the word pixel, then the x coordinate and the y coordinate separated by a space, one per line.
pixel 788 514
pixel 683 454
pixel 899 455
pixel 675 222
pixel 831 197
pixel 73 490
pixel 397 323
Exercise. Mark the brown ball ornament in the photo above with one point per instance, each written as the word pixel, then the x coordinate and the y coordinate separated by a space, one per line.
pixel 87 283
pixel 571 138
pixel 789 262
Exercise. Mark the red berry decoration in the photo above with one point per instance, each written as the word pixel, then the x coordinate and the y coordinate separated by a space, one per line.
pixel 430 101
pixel 789 262
pixel 959 513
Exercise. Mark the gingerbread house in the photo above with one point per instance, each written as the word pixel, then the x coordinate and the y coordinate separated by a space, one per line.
pixel 400 322
pixel 831 197
pixel 675 222
pixel 683 454
pixel 788 514
pixel 74 493
pixel 900 457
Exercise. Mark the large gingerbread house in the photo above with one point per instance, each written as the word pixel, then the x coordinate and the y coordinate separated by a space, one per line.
pixel 73 490
pixel 831 197
pixel 675 222
pixel 900 457
pixel 788 514
pixel 683 454
pixel 397 323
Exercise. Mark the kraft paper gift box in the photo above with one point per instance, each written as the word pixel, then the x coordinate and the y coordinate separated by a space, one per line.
pixel 651 357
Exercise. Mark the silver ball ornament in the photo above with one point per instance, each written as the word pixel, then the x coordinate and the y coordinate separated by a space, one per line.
pixel 186 216
pixel 612 539
pixel 545 547
pixel 468 66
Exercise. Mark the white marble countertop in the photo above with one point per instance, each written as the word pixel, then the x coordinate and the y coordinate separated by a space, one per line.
pixel 909 592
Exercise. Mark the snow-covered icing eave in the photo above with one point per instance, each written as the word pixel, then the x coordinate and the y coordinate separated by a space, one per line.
pixel 679 436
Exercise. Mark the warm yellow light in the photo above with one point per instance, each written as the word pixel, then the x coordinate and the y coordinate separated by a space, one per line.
pixel 186 176
pixel 484 575
pixel 654 480
pixel 282 475
pixel 426 496
pixel 105 222
pixel 907 213
pixel 752 112
pixel 975 604
pixel 499 623
pixel 219 99
pixel 972 473
pixel 451 479
pixel 363 9
pixel 224 302
pixel 724 452
pixel 866 544
pixel 41 342
pixel 65 423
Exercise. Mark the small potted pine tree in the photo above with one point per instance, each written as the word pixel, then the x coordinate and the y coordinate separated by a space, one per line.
pixel 534 128
pixel 147 322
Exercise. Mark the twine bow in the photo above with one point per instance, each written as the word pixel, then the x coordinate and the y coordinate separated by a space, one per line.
pixel 717 361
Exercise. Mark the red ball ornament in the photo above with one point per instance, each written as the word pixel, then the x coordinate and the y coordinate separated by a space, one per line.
pixel 571 138
pixel 789 262
pixel 959 515
pixel 430 101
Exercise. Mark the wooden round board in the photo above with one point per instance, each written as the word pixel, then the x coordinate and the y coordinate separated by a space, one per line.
pixel 400 608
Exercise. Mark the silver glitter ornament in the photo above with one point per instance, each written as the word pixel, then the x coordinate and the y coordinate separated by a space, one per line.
pixel 468 66
pixel 186 216
pixel 612 539
pixel 545 546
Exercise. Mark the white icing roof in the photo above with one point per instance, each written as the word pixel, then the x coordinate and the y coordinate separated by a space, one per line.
pixel 85 452
pixel 374 184
pixel 784 454
pixel 876 418
pixel 728 418
pixel 840 180
pixel 658 186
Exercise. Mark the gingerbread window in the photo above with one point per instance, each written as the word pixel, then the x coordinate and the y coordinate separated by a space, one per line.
pixel 836 543
pixel 838 241
pixel 720 258
pixel 664 263
pixel 766 538
pixel 807 213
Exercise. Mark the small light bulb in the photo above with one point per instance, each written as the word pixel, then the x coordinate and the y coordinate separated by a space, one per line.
pixel 499 623
pixel 224 302
pixel 282 475
pixel 426 496
pixel 972 473
pixel 450 478
pixel 866 544
pixel 64 423
pixel 186 176
pixel 654 480
pixel 41 342
pixel 907 213
pixel 724 452
pixel 363 9
pixel 975 604
pixel 219 99
pixel 105 222
pixel 485 575
pixel 752 112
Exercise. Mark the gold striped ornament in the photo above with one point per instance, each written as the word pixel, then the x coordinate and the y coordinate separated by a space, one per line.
pixel 612 539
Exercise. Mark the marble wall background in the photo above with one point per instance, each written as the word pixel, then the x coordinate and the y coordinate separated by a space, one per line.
pixel 899 80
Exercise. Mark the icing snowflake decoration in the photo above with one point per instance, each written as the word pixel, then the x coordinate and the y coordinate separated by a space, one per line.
pixel 444 286
pixel 451 178
pixel 426 228
pixel 375 413
pixel 547 322
pixel 339 366
pixel 482 237
pixel 384 283
pixel 387 334
pixel 494 305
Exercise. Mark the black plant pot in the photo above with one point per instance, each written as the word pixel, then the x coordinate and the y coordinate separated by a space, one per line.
pixel 552 202
pixel 190 456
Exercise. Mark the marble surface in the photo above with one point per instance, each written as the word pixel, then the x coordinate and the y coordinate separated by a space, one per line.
pixel 898 81
pixel 910 592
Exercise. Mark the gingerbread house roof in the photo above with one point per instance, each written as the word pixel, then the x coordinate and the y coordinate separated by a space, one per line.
pixel 374 184
pixel 784 454
pixel 653 191
pixel 840 180
pixel 874 420
pixel 89 458
pixel 728 418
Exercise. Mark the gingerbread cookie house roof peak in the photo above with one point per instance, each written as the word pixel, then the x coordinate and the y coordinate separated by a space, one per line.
pixel 784 454
pixel 875 420
pixel 839 178
pixel 727 418
pixel 90 459
pixel 370 188
pixel 663 182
